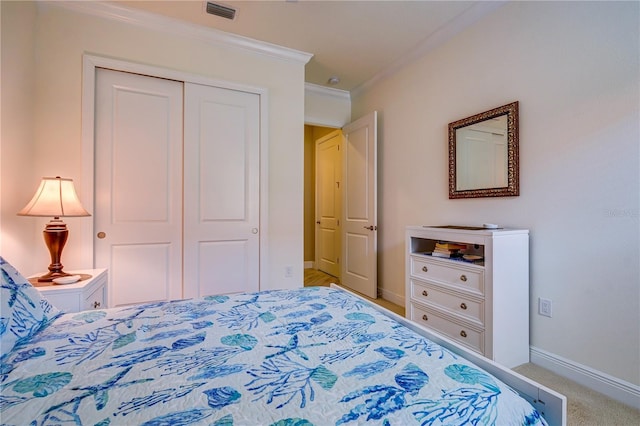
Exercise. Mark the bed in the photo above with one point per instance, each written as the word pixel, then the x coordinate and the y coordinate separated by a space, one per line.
pixel 310 356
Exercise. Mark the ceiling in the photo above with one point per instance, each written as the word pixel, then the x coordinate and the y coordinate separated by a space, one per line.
pixel 356 41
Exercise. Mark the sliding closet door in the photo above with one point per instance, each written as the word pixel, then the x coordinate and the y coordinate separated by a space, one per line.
pixel 221 191
pixel 138 180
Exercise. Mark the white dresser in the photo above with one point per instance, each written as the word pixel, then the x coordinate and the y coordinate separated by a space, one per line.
pixel 89 293
pixel 482 304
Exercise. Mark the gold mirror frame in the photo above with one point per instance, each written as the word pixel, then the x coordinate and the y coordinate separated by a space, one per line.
pixel 513 161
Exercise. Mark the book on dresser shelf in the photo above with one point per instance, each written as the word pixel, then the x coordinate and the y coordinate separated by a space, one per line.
pixel 447 249
pixel 439 253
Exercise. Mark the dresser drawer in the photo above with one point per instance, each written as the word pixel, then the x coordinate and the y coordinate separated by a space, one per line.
pixel 449 273
pixel 463 334
pixel 95 300
pixel 456 303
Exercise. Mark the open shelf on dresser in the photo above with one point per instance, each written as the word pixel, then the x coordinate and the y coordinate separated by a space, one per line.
pixel 471 253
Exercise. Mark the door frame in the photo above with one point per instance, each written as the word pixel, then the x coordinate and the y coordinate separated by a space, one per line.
pixel 89 65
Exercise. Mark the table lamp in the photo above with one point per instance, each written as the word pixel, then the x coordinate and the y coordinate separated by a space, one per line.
pixel 55 197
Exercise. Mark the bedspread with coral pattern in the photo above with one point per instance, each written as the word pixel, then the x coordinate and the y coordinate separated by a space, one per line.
pixel 313 356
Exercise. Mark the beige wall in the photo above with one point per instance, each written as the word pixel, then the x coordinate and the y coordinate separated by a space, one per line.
pixel 18 182
pixel 574 68
pixel 61 38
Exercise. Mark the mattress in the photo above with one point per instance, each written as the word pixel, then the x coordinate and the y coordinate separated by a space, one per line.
pixel 311 356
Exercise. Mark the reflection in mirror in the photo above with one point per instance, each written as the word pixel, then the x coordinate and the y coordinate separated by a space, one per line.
pixel 483 154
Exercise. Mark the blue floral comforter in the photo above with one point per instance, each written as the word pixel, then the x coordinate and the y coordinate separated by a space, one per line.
pixel 313 356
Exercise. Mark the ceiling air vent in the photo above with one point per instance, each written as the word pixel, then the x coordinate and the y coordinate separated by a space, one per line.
pixel 221 10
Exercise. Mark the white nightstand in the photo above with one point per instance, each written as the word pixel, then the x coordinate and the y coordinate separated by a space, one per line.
pixel 90 293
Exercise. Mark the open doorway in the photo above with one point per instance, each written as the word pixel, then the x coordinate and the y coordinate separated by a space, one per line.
pixel 328 111
pixel 346 204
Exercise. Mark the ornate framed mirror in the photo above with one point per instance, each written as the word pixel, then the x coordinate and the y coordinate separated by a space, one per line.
pixel 483 154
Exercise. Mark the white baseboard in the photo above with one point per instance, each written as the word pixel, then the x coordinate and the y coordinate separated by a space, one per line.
pixel 309 264
pixel 391 297
pixel 614 388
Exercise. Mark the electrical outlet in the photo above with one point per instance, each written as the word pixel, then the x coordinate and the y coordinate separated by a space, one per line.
pixel 544 307
pixel 288 271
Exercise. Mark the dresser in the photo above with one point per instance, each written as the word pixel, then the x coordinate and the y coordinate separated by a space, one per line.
pixel 479 300
pixel 88 293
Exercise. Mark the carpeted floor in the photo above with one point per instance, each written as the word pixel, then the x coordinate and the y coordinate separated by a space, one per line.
pixel 585 407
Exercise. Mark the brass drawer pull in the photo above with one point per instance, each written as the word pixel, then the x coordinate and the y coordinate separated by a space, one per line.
pixel 463 278
pixel 463 306
pixel 424 293
pixel 463 333
pixel 425 318
pixel 425 269
pixel 96 305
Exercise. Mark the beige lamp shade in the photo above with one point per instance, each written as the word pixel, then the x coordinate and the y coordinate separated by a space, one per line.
pixel 55 197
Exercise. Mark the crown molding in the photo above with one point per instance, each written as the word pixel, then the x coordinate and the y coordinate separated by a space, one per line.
pixel 327 91
pixel 173 26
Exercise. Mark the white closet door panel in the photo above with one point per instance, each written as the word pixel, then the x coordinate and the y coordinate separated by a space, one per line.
pixel 221 181
pixel 222 131
pixel 138 198
pixel 149 154
pixel 224 266
pixel 133 281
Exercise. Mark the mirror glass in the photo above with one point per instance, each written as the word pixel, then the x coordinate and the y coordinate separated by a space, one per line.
pixel 483 154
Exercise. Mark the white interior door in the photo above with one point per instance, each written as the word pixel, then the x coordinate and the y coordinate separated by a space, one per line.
pixel 359 227
pixel 221 191
pixel 138 186
pixel 328 203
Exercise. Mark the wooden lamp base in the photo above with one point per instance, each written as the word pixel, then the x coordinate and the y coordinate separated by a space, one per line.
pixel 55 236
